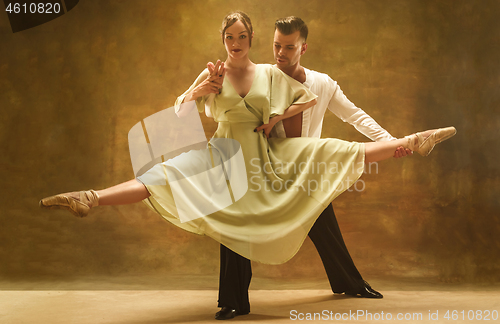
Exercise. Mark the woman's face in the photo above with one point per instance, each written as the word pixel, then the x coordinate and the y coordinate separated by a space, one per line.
pixel 237 40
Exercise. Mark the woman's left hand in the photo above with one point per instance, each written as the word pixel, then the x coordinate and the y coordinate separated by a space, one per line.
pixel 268 127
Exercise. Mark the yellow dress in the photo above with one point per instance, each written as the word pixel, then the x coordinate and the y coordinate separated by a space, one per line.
pixel 281 185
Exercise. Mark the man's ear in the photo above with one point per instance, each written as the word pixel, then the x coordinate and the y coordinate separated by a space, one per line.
pixel 303 49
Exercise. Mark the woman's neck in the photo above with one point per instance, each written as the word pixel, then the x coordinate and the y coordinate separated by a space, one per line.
pixel 239 64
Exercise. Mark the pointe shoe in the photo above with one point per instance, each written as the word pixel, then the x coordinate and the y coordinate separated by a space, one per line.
pixel 79 208
pixel 425 146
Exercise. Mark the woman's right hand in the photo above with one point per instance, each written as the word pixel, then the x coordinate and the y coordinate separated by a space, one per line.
pixel 212 84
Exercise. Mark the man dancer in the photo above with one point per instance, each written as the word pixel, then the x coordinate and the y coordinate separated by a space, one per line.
pixel 235 271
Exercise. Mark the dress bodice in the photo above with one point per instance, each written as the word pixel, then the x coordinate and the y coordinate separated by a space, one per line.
pixel 230 106
pixel 271 93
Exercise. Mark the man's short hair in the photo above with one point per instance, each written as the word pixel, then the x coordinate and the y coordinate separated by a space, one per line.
pixel 290 25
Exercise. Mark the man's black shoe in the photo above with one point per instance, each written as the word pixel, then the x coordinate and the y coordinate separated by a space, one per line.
pixel 366 292
pixel 227 313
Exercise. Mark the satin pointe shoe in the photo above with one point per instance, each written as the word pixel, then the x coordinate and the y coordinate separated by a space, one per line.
pixel 79 208
pixel 425 146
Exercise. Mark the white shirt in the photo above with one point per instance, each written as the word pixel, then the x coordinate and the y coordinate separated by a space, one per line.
pixel 331 96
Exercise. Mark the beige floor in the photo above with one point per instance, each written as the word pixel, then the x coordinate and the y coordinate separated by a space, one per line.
pixel 413 302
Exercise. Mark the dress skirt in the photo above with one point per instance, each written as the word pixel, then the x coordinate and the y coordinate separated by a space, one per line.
pixel 265 195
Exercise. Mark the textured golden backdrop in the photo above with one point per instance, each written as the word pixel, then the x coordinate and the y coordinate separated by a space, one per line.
pixel 71 89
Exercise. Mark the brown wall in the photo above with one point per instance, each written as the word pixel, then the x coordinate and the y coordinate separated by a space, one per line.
pixel 71 89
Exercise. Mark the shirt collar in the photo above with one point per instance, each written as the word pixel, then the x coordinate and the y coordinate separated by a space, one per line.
pixel 309 80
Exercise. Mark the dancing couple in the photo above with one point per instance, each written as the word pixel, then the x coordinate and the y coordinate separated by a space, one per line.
pixel 275 114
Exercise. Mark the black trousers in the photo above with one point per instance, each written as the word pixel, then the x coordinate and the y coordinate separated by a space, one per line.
pixel 236 271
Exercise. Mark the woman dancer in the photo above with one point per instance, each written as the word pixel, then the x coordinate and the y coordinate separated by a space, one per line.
pixel 289 181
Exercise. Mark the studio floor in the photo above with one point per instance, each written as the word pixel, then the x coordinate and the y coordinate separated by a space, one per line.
pixel 406 302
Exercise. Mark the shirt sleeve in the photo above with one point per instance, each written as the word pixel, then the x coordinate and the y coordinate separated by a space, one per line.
pixel 285 91
pixel 203 103
pixel 348 112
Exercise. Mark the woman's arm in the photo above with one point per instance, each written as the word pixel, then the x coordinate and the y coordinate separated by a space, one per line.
pixel 212 83
pixel 208 82
pixel 289 112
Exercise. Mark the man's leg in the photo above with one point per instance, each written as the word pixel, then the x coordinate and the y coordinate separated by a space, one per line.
pixel 234 281
pixel 340 269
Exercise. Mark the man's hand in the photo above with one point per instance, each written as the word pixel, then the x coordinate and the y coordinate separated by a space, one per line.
pixel 402 152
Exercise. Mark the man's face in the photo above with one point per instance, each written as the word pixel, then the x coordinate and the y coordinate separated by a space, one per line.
pixel 288 49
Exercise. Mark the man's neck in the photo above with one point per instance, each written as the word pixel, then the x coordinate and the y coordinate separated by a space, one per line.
pixel 296 71
pixel 293 125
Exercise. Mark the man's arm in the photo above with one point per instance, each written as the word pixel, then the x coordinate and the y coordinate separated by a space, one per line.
pixel 357 117
pixel 291 111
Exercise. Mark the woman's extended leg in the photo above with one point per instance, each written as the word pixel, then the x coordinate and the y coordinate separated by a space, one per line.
pixel 422 142
pixel 123 194
pixel 79 203
pixel 378 151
